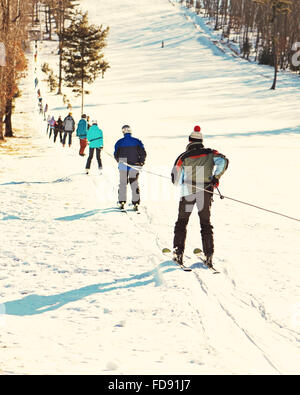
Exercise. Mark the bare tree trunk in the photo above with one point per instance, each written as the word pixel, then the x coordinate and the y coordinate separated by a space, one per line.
pixel 82 96
pixel 274 48
pixel 275 65
pixel 46 19
pixel 61 44
pixel 8 122
pixel 50 23
pixel 1 127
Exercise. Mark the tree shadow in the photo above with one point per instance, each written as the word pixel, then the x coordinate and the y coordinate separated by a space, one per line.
pixel 39 304
pixel 76 217
pixel 277 132
pixel 59 180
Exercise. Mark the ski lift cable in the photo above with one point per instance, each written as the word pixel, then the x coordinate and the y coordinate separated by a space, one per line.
pixel 211 192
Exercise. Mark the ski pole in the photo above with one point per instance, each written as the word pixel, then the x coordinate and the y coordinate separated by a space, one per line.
pixel 221 196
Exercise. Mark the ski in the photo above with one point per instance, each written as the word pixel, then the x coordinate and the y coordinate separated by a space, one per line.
pixel 122 208
pixel 199 254
pixel 168 252
pixel 128 210
pixel 136 209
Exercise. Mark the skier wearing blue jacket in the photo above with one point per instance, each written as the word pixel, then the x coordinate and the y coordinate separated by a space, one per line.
pixel 129 151
pixel 95 139
pixel 81 132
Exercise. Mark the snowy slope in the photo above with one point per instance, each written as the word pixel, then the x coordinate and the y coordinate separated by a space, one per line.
pixel 85 288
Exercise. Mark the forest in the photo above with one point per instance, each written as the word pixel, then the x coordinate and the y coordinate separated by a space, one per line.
pixel 267 30
pixel 20 23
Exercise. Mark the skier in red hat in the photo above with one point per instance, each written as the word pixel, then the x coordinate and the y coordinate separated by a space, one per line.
pixel 198 170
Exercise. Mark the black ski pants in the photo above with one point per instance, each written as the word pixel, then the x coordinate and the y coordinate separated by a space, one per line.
pixel 203 201
pixel 129 176
pixel 91 155
pixel 56 131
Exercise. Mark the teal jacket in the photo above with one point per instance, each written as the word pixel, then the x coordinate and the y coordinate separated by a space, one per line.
pixel 95 137
pixel 82 129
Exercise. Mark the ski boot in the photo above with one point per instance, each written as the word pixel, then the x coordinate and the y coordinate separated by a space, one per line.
pixel 178 256
pixel 122 205
pixel 208 261
pixel 136 207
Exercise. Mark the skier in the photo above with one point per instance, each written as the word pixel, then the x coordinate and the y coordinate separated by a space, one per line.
pixel 95 139
pixel 88 121
pixel 198 171
pixel 81 132
pixel 69 127
pixel 131 151
pixel 48 123
pixel 52 126
pixel 45 111
pixel 59 127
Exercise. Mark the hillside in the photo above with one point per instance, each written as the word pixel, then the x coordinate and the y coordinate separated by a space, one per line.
pixel 85 288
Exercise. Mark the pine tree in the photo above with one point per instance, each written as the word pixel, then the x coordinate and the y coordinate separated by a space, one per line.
pixel 83 57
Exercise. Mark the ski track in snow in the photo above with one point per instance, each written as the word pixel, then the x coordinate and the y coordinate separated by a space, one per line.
pixel 84 287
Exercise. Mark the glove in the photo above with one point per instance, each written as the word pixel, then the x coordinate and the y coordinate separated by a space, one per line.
pixel 214 181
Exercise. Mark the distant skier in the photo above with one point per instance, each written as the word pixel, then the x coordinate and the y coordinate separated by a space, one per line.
pixel 196 169
pixel 131 151
pixel 52 126
pixel 69 127
pixel 58 129
pixel 88 121
pixel 45 111
pixel 81 132
pixel 48 123
pixel 95 139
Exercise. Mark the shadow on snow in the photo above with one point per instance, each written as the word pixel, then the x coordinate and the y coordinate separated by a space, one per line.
pixel 76 217
pixel 39 304
pixel 295 130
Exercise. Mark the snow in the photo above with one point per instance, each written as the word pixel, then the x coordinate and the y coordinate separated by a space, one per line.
pixel 85 288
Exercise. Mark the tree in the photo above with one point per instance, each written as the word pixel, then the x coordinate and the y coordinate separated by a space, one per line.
pixel 275 8
pixel 83 58
pixel 13 32
pixel 64 12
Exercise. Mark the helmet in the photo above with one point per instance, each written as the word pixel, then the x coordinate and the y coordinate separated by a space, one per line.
pixel 126 129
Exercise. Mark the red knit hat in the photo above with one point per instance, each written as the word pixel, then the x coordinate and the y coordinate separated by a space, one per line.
pixel 196 135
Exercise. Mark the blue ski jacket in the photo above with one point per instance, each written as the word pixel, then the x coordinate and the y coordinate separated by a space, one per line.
pixel 82 128
pixel 130 150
